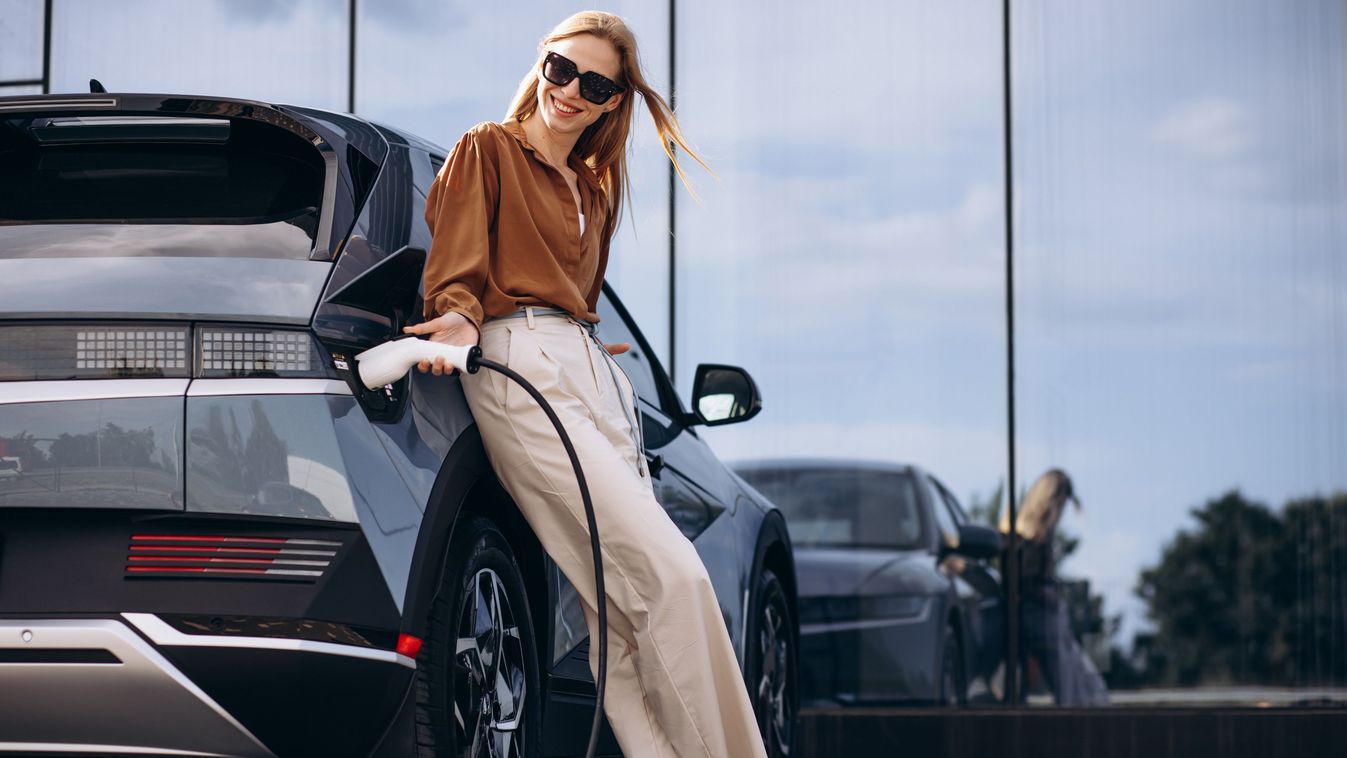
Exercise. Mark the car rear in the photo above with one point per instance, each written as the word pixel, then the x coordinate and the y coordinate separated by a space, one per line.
pixel 185 476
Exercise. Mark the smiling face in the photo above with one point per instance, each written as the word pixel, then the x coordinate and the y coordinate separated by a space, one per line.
pixel 562 108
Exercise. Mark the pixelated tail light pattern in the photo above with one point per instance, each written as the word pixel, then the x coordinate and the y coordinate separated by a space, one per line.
pixel 131 349
pixel 255 351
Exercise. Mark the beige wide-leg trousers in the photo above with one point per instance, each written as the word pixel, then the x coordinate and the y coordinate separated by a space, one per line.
pixel 674 687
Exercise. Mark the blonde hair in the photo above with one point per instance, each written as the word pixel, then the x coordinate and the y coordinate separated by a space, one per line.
pixel 603 145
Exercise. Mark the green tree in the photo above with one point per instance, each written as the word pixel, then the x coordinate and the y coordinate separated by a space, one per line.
pixel 1251 596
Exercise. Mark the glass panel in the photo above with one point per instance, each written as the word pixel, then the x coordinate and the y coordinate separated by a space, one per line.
pixel 949 531
pixel 292 52
pixel 613 330
pixel 27 89
pixel 20 40
pixel 849 255
pixel 1181 177
pixel 436 69
pixel 844 507
pixel 189 171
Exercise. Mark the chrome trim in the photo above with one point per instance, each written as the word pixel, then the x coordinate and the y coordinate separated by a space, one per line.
pixel 89 389
pixel 111 707
pixel 92 102
pixel 163 634
pixel 266 386
pixel 74 747
pixel 827 627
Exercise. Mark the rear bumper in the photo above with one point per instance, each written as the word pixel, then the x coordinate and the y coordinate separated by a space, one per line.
pixel 94 684
pixel 136 685
pixel 192 659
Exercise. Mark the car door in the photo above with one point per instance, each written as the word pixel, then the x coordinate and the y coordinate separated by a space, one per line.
pixel 979 587
pixel 689 481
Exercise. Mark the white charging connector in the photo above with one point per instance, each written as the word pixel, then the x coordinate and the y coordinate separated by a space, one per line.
pixel 389 362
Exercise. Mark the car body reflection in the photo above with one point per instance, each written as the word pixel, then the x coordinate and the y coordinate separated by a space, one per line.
pixel 900 597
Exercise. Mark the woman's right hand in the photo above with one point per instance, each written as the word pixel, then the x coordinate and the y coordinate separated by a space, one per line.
pixel 453 328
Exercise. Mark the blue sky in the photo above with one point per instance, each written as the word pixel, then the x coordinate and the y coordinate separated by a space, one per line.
pixel 1181 186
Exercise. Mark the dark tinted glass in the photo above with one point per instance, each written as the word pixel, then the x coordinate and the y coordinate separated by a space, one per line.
pixel 133 172
pixel 949 530
pixel 613 330
pixel 594 87
pixel 844 507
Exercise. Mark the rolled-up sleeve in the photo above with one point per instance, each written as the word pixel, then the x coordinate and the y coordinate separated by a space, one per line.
pixel 460 211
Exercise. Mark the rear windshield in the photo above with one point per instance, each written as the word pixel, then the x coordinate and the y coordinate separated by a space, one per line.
pixel 848 508
pixel 76 187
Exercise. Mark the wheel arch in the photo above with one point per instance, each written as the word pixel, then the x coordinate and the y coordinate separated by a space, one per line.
pixel 773 551
pixel 460 472
pixel 466 484
pixel 955 621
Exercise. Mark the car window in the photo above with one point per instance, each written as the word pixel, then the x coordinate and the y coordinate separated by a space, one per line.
pixel 960 517
pixel 637 365
pixel 842 507
pixel 949 529
pixel 425 167
pixel 81 187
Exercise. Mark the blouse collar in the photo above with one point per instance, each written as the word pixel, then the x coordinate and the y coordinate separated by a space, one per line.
pixel 583 170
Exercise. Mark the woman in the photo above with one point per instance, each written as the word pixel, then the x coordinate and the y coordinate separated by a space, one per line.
pixel 522 215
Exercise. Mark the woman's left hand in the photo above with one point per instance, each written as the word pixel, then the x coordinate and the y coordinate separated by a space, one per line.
pixel 617 349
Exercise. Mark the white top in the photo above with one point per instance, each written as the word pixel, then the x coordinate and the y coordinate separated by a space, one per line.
pixel 582 223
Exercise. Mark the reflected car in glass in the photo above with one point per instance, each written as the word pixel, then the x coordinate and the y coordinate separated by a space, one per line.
pixel 214 539
pixel 900 595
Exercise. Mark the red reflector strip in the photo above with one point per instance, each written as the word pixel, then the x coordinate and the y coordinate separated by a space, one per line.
pixel 177 559
pixel 214 570
pixel 203 559
pixel 206 549
pixel 231 550
pixel 201 538
pixel 224 539
pixel 409 645
pixel 191 569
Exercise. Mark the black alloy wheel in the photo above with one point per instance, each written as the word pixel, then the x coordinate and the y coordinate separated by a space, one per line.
pixel 771 666
pixel 953 683
pixel 477 681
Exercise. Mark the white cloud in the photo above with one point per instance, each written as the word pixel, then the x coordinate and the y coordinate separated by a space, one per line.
pixel 1217 128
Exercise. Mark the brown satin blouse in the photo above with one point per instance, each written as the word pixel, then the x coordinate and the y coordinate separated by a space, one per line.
pixel 505 231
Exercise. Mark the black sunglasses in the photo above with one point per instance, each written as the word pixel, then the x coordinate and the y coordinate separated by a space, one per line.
pixel 596 88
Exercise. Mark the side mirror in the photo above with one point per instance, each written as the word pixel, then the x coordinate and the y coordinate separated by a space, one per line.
pixel 723 395
pixel 978 542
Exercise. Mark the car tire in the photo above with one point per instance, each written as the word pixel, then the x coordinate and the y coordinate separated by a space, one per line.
pixel 480 632
pixel 953 681
pixel 771 667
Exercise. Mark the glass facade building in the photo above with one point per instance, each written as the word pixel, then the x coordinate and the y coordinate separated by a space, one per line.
pixel 1178 293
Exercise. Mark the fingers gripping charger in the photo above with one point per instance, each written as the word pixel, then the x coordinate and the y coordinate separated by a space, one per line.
pixel 386 363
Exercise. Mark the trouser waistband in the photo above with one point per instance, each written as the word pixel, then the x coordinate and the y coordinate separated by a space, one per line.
pixel 530 312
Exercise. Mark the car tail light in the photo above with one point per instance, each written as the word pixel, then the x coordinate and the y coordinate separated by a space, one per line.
pixel 61 351
pixel 236 352
pixel 168 556
pixel 409 645
pixel 40 352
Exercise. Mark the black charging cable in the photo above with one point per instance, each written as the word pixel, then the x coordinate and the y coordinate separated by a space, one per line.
pixel 475 362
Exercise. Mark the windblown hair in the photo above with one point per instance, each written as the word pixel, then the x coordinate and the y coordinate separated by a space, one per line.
pixel 603 145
